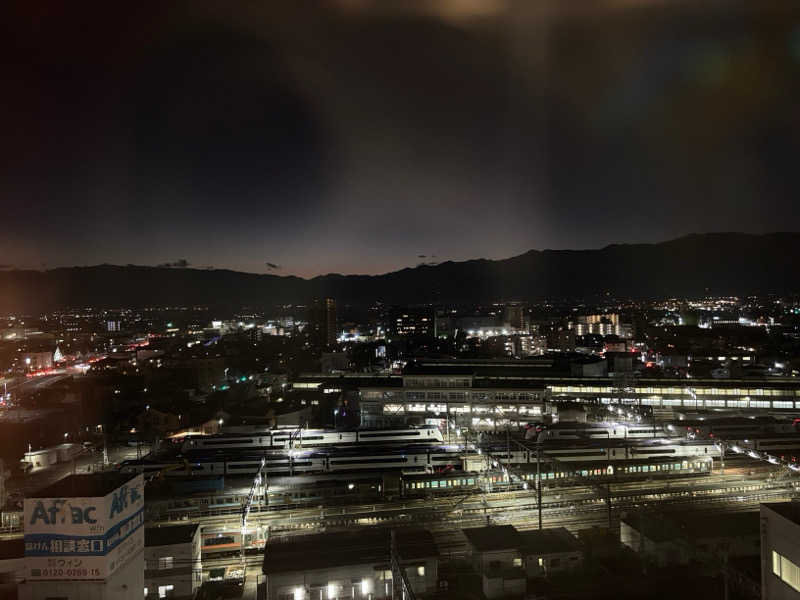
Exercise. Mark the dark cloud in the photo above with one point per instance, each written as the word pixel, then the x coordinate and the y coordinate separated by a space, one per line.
pixel 6 267
pixel 485 136
pixel 273 266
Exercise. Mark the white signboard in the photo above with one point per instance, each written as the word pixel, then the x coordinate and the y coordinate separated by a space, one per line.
pixel 83 538
pixel 85 567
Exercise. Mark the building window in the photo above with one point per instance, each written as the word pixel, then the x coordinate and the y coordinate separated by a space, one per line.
pixel 785 569
pixel 165 591
pixel 517 562
pixel 165 562
pixel 145 592
pixel 421 570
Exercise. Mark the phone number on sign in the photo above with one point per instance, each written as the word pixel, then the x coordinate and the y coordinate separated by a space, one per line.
pixel 69 572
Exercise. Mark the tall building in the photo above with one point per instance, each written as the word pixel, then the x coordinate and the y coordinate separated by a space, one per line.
pixel 84 539
pixel 322 322
pixel 514 317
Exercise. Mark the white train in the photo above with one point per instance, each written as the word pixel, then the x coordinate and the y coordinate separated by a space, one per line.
pixel 309 438
pixel 417 459
pixel 598 431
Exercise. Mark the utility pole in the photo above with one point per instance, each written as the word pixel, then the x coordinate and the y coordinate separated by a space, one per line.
pixel 401 587
pixel 539 481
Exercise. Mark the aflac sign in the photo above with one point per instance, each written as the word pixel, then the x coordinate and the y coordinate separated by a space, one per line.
pixel 59 512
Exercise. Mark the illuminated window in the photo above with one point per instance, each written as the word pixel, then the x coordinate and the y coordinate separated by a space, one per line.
pixel 165 591
pixel 421 570
pixel 790 573
pixel 517 562
pixel 165 562
pixel 785 569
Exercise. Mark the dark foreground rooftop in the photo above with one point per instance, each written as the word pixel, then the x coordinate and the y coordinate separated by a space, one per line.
pixel 336 549
pixel 91 485
pixel 171 534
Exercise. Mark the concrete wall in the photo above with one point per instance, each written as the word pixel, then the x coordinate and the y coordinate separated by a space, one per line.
pixel 185 575
pixel 552 564
pixel 781 535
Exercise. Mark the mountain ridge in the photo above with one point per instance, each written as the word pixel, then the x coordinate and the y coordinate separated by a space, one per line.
pixel 694 264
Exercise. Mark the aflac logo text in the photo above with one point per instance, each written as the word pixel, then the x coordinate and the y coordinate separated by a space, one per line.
pixel 60 511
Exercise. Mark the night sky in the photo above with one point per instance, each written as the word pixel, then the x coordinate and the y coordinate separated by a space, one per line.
pixel 364 136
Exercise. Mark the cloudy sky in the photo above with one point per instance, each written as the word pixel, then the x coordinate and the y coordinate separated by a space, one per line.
pixel 361 136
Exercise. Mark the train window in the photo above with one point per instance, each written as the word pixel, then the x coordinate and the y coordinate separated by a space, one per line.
pixel 435 484
pixel 471 481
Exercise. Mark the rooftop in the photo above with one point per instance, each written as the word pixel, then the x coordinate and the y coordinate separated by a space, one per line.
pixel 788 510
pixel 493 537
pixel 548 541
pixel 91 485
pixel 336 549
pixel 665 527
pixel 171 534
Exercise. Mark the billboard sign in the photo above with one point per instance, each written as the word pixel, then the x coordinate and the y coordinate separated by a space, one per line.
pixel 80 538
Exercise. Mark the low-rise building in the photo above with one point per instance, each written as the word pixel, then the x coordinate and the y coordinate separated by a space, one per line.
pixel 548 552
pixel 780 551
pixel 332 566
pixel 678 539
pixel 496 557
pixel 173 564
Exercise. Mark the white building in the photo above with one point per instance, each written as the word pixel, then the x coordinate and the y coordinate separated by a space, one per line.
pixel 84 539
pixel 352 565
pixel 173 564
pixel 780 551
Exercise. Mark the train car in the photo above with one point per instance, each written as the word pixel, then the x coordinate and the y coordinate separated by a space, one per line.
pixel 310 438
pixel 594 431
pixel 773 444
pixel 415 458
pixel 738 428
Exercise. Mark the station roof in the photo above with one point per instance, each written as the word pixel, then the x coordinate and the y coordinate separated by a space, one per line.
pixel 493 537
pixel 171 534
pixel 88 485
pixel 338 549
pixel 548 541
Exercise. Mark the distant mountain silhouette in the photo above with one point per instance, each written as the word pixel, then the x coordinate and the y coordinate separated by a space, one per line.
pixel 697 264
